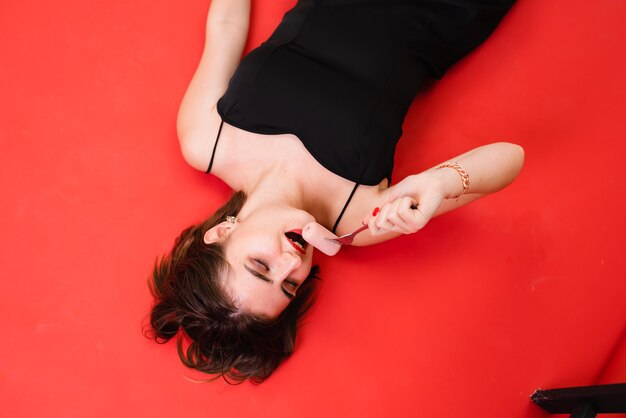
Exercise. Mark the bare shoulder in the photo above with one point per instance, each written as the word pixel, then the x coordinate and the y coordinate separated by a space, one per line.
pixel 197 149
pixel 198 121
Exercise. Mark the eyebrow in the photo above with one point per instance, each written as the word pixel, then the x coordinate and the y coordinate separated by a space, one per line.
pixel 268 280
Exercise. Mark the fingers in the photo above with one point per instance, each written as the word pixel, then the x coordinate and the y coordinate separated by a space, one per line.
pixel 428 207
pixel 404 215
pixel 394 216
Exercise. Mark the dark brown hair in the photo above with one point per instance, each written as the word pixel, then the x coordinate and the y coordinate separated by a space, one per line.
pixel 190 304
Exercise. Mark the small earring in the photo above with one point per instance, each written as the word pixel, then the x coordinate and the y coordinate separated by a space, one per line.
pixel 232 219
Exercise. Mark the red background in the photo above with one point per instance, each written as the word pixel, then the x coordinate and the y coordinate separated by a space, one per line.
pixel 520 290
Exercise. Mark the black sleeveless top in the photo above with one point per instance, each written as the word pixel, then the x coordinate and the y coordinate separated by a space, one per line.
pixel 341 74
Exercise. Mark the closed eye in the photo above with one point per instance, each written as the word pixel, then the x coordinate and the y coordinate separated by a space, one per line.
pixel 258 275
pixel 291 285
pixel 261 264
pixel 290 295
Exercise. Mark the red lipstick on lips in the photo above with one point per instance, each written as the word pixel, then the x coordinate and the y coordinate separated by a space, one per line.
pixel 293 244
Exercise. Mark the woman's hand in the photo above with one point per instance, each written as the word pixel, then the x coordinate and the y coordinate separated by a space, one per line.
pixel 433 192
pixel 409 205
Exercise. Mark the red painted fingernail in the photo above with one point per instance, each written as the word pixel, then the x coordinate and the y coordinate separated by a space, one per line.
pixel 376 210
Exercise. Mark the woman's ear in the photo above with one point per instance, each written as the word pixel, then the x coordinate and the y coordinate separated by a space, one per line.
pixel 219 232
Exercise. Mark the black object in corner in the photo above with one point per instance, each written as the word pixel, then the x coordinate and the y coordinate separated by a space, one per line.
pixel 582 401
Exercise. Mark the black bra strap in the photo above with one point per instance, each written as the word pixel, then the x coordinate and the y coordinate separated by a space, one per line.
pixel 215 147
pixel 344 208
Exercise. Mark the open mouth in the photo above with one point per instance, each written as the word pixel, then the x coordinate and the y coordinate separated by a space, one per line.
pixel 296 240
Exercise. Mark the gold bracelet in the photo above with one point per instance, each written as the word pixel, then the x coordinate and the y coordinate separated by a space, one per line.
pixel 462 173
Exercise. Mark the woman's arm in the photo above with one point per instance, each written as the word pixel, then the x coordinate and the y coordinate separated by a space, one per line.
pixel 491 168
pixel 226 34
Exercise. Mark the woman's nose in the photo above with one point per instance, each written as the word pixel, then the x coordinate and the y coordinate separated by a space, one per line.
pixel 288 263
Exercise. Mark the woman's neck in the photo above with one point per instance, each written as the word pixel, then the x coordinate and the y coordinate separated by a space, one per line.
pixel 248 162
pixel 273 186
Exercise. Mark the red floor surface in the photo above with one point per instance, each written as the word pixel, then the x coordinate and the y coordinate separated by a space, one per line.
pixel 520 290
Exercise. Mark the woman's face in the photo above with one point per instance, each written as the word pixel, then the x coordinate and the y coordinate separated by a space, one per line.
pixel 268 259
